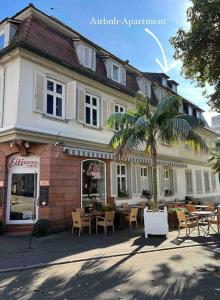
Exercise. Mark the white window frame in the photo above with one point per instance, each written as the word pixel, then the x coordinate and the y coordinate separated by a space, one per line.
pixel 92 107
pixel 55 94
pixel 119 72
pixel 90 53
pixel 119 108
pixel 120 176
pixel 144 178
pixel 189 189
pixel 198 175
pixel 206 183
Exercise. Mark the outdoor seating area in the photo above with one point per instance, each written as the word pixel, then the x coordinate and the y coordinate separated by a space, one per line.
pixel 197 217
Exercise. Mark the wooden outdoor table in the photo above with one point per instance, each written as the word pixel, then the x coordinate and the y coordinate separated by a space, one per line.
pixel 201 206
pixel 203 214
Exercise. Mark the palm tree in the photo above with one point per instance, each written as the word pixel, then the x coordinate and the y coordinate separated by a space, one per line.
pixel 215 158
pixel 143 128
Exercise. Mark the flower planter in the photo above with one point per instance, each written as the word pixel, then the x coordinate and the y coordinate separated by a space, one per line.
pixel 172 220
pixel 155 223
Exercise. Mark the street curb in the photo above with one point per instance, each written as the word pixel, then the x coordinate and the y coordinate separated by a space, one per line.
pixel 129 253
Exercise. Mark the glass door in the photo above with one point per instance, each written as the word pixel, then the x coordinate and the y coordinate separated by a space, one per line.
pixel 23 196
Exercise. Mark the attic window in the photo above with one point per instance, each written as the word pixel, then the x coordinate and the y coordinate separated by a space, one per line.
pixel 115 73
pixel 174 88
pixel 2 41
pixel 164 82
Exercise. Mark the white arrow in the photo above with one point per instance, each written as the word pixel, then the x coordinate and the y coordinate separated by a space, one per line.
pixel 164 67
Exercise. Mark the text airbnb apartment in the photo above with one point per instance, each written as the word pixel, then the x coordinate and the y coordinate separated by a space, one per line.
pixel 57 89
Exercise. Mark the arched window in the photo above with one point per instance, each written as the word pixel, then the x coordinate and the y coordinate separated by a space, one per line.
pixel 93 187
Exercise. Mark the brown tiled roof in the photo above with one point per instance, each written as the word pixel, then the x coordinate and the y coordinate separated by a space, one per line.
pixel 44 40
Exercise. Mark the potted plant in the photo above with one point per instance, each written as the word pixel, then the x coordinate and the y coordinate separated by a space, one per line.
pixel 145 127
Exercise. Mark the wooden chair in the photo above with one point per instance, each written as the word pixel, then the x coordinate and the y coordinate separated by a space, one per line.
pixel 107 221
pixel 81 210
pixel 187 222
pixel 132 217
pixel 210 205
pixel 80 222
pixel 215 221
pixel 190 208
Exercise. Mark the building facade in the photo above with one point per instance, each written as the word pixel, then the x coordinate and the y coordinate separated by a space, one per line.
pixel 57 90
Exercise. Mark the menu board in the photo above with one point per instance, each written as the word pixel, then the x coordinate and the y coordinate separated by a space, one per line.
pixel 44 195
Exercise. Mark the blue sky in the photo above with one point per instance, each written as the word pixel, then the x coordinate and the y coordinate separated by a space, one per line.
pixel 131 43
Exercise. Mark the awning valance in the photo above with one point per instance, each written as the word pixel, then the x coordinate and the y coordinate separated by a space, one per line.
pixel 112 156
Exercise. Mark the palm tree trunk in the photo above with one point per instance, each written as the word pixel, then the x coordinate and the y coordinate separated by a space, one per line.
pixel 154 167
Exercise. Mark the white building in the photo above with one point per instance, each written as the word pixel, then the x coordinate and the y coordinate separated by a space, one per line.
pixel 57 90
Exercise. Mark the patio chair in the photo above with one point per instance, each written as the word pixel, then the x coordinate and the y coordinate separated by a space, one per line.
pixel 187 222
pixel 132 217
pixel 81 210
pixel 107 221
pixel 80 222
pixel 210 205
pixel 215 220
pixel 190 208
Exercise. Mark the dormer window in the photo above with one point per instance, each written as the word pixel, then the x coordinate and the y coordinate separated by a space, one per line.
pixel 164 82
pixel 174 88
pixel 115 73
pixel 86 55
pixel 2 41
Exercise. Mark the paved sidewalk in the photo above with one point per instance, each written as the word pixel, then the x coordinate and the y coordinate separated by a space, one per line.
pixel 63 247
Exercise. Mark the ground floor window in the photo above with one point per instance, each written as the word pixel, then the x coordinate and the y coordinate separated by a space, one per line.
pixel 198 174
pixel 93 183
pixel 144 179
pixel 122 180
pixel 189 182
pixel 213 179
pixel 206 182
pixel 167 182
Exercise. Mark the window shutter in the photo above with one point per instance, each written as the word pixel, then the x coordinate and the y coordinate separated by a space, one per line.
pixel 114 189
pixel 81 104
pixel 133 180
pixel 109 68
pixel 111 108
pixel 171 180
pixel 162 182
pixel 39 92
pixel 123 75
pixel 174 182
pixel 149 171
pixel 71 100
pixel 104 111
pixel 93 59
pixel 138 176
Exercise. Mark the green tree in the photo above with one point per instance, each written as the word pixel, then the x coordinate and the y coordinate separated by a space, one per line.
pixel 199 47
pixel 144 127
pixel 215 159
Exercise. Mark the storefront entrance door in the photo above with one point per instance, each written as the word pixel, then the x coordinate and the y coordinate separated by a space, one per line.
pixel 23 189
pixel 23 198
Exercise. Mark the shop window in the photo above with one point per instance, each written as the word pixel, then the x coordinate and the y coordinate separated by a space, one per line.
pixel 93 184
pixel 55 98
pixel 92 110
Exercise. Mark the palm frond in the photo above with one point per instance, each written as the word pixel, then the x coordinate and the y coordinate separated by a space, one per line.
pixel 193 121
